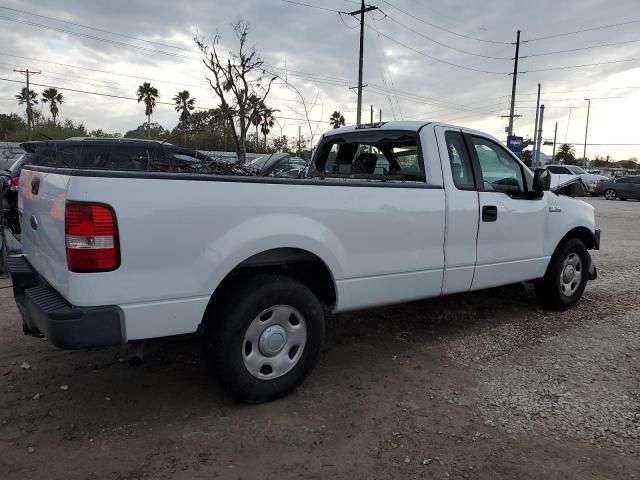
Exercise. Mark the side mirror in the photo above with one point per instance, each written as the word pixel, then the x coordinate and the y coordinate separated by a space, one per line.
pixel 541 180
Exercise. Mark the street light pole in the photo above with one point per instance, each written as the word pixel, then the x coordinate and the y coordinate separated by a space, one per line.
pixel 586 131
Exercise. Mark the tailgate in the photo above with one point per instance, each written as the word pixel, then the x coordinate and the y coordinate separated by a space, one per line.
pixel 41 202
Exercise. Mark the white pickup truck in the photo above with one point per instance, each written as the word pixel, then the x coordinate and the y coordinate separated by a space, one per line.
pixel 387 213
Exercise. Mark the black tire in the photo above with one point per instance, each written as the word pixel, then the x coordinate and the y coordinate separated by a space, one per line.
pixel 549 288
pixel 227 324
pixel 610 194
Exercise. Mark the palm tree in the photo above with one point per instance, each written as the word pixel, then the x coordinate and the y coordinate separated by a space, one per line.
pixel 184 105
pixel 148 94
pixel 54 98
pixel 28 97
pixel 267 124
pixel 566 154
pixel 337 120
pixel 255 117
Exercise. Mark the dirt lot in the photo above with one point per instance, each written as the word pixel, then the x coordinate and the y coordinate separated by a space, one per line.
pixel 478 386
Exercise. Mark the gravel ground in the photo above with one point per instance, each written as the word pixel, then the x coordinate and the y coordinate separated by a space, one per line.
pixel 481 386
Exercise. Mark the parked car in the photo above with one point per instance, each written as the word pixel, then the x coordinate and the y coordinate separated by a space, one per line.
pixel 622 188
pixel 96 153
pixel 279 165
pixel 388 213
pixel 7 162
pixel 590 180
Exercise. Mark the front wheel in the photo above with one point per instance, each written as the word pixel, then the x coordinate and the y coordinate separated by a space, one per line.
pixel 566 277
pixel 610 194
pixel 265 337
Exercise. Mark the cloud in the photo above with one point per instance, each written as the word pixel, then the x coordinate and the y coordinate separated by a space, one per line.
pixel 319 51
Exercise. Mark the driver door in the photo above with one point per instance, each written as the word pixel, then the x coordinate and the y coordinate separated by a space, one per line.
pixel 511 229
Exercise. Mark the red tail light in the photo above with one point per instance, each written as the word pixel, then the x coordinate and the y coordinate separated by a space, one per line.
pixel 15 183
pixel 91 232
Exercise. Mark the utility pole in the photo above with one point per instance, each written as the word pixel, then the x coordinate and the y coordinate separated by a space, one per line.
pixel 513 85
pixel 299 140
pixel 361 12
pixel 535 128
pixel 28 72
pixel 586 131
pixel 371 114
pixel 539 140
pixel 380 116
pixel 555 135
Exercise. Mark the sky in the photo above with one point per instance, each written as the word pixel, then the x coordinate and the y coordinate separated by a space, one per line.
pixel 435 60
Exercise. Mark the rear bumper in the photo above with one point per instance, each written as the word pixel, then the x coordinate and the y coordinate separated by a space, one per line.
pixel 45 311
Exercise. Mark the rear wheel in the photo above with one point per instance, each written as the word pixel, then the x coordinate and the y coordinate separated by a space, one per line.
pixel 566 277
pixel 610 194
pixel 265 337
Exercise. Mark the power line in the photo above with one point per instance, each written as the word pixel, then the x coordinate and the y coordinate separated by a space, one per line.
pixel 441 43
pixel 590 29
pixel 442 28
pixel 122 97
pixel 436 58
pixel 566 67
pixel 96 29
pixel 557 92
pixel 313 6
pixel 380 55
pixel 556 52
pixel 90 69
pixel 375 89
pixel 93 37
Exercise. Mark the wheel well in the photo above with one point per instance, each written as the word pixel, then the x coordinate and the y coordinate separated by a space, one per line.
pixel 583 234
pixel 301 265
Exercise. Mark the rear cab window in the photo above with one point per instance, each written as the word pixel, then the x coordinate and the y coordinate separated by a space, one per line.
pixel 381 155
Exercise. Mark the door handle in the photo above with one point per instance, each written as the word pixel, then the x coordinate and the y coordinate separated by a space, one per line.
pixel 489 213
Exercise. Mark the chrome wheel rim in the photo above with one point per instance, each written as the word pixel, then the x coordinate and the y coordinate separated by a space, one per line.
pixel 610 195
pixel 274 342
pixel 571 274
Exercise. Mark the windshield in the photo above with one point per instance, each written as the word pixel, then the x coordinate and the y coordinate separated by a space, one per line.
pixel 576 170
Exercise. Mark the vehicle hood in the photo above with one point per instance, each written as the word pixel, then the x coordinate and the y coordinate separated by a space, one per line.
pixel 571 185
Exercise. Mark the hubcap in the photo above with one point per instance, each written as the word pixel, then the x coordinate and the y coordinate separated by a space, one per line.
pixel 610 195
pixel 274 342
pixel 571 274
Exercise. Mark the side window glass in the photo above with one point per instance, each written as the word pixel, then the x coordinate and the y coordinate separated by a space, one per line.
pixel 459 160
pixel 500 172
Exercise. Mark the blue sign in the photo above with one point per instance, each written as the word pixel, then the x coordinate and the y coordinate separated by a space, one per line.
pixel 515 144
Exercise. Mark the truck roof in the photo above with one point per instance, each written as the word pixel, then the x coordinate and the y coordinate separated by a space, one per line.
pixel 412 125
pixel 34 144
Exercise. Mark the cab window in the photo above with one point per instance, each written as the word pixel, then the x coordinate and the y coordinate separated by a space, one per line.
pixel 459 160
pixel 380 155
pixel 500 172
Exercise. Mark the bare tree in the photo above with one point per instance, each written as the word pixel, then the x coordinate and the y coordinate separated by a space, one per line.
pixel 236 81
